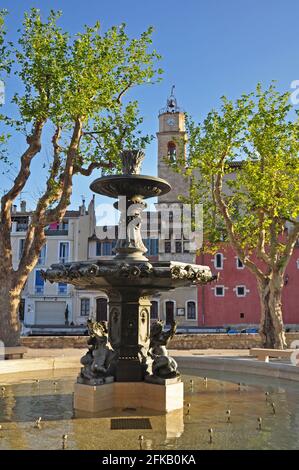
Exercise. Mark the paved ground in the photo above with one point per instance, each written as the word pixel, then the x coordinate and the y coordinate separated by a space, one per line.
pixel 173 352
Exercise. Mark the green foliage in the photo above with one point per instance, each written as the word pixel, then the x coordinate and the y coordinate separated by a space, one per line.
pixel 114 132
pixel 261 194
pixel 84 78
pixel 4 69
pixel 5 62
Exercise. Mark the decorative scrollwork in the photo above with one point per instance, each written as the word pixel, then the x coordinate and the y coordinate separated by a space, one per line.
pixel 192 273
pixel 135 270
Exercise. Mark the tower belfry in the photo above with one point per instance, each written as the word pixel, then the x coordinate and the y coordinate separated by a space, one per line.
pixel 172 139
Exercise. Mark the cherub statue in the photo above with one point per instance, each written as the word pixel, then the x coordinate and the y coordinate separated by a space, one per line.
pixel 100 353
pixel 163 365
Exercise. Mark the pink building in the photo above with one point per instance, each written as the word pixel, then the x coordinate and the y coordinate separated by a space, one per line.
pixel 234 299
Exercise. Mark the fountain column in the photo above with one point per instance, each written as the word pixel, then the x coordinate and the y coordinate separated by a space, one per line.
pixel 129 334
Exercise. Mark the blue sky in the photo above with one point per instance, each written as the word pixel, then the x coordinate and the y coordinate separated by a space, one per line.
pixel 210 48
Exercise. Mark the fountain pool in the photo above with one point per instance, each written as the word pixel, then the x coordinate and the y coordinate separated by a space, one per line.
pixel 49 395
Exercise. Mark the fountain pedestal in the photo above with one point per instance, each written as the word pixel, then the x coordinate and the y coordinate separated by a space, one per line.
pixel 129 332
pixel 158 397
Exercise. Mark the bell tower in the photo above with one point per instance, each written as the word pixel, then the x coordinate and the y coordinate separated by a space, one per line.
pixel 172 140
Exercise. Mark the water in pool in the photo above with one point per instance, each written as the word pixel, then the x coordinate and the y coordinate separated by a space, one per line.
pixel 242 413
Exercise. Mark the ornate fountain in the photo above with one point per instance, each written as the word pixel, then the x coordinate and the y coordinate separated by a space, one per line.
pixel 127 350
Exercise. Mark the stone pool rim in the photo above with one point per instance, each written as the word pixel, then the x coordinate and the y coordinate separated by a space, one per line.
pixel 244 365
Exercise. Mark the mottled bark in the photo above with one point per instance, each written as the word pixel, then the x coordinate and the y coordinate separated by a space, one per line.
pixel 12 281
pixel 9 314
pixel 271 327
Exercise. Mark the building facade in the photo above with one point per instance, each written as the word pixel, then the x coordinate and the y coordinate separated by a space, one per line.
pixel 44 304
pixel 234 300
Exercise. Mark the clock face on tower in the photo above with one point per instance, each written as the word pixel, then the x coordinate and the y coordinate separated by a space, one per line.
pixel 170 122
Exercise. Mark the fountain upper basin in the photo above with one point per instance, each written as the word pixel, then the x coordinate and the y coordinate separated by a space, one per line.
pixel 130 185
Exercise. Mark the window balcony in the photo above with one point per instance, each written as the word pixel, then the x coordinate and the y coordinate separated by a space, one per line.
pixel 56 232
pixel 21 227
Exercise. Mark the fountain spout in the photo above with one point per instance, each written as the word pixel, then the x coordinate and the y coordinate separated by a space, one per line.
pixel 131 161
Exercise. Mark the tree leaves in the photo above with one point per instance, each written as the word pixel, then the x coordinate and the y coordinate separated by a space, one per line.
pixel 261 192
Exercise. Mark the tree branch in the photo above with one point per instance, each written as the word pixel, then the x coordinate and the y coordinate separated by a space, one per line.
pixel 58 212
pixel 91 167
pixel 34 146
pixel 261 252
pixel 289 247
pixel 121 94
pixel 229 224
pixel 35 237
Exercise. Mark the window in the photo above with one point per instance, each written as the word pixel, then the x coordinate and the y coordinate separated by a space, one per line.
pixel 85 307
pixel 39 282
pixel 169 312
pixel 240 265
pixel 58 226
pixel 64 251
pixel 152 245
pixel 21 247
pixel 186 246
pixel 22 310
pixel 218 261
pixel 99 249
pixel 171 150
pixel 219 291
pixel 240 291
pixel 53 226
pixel 22 224
pixel 191 310
pixel 242 315
pixel 178 247
pixel 167 247
pixel 107 249
pixel 62 288
pixel 154 310
pixel 42 256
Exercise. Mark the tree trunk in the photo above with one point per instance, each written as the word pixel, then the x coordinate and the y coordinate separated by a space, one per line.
pixel 271 327
pixel 9 314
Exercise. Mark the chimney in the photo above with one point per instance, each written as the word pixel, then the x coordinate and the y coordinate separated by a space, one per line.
pixel 23 206
pixel 83 207
pixel 14 209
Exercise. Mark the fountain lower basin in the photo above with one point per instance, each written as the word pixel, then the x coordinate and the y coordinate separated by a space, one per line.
pixel 25 401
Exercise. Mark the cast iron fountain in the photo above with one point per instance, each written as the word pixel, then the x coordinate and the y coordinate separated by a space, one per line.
pixel 127 349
